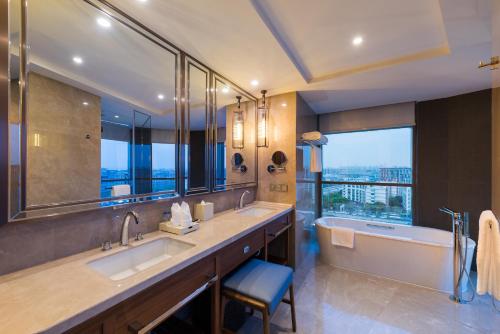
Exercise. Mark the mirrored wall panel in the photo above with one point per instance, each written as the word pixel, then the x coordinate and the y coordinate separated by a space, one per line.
pixel 235 149
pixel 196 125
pixel 99 109
pixel 14 114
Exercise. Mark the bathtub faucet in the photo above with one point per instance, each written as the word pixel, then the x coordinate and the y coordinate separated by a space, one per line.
pixel 460 229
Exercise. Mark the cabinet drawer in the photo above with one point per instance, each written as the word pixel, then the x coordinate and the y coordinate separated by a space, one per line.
pixel 237 252
pixel 148 306
pixel 278 226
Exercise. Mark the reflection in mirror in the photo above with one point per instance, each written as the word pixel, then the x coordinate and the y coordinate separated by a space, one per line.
pixel 235 134
pixel 100 120
pixel 14 111
pixel 197 148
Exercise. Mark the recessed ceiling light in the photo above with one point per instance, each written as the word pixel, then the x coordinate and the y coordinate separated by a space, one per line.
pixel 254 82
pixel 161 96
pixel 142 0
pixel 85 103
pixel 225 90
pixel 103 22
pixel 116 116
pixel 283 104
pixel 358 40
pixel 77 60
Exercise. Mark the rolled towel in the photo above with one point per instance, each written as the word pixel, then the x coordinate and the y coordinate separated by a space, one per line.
pixel 313 135
pixel 342 236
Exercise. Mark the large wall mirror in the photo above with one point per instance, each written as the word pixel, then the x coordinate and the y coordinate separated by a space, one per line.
pixel 96 117
pixel 234 145
pixel 105 112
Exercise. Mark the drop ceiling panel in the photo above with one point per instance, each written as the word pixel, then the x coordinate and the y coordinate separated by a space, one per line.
pixel 319 34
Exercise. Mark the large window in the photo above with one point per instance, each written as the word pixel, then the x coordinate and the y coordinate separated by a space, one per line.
pixel 368 175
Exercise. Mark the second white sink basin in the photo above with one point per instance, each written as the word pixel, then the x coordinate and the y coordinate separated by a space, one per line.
pixel 255 212
pixel 133 260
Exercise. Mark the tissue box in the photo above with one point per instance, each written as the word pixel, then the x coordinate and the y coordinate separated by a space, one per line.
pixel 204 211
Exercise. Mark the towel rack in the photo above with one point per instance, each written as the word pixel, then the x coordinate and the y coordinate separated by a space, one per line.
pixel 302 142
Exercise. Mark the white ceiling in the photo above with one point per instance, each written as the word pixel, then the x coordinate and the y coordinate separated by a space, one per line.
pixel 412 50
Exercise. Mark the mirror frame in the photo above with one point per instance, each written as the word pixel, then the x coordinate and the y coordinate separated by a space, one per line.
pixel 223 187
pixel 181 58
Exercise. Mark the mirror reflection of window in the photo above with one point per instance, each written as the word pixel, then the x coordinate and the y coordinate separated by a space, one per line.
pixel 97 108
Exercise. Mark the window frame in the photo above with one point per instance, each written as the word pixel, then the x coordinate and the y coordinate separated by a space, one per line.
pixel 411 185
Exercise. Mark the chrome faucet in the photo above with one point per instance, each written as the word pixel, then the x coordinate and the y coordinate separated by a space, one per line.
pixel 241 204
pixel 126 221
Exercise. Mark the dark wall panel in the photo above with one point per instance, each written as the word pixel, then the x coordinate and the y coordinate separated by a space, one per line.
pixel 453 158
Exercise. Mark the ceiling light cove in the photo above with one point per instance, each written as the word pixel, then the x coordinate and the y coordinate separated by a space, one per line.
pixel 254 83
pixel 161 96
pixel 357 41
pixel 85 103
pixel 78 60
pixel 103 22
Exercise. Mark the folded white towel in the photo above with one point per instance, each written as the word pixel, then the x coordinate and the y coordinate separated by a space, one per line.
pixel 316 160
pixel 313 135
pixel 316 137
pixel 120 190
pixel 488 255
pixel 342 236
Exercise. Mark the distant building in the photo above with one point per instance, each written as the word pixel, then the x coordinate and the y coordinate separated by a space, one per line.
pixel 396 175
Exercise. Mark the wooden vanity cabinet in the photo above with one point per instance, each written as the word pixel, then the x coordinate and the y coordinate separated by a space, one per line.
pixel 147 307
pixel 140 310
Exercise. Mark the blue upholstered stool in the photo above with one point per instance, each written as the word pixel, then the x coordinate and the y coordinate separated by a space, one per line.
pixel 260 285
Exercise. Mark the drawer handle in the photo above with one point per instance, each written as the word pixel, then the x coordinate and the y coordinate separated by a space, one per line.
pixel 137 328
pixel 246 249
pixel 274 235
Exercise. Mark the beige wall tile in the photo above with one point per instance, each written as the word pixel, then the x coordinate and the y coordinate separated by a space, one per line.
pixel 282 137
pixel 64 143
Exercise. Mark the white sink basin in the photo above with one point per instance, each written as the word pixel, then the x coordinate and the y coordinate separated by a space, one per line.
pixel 136 259
pixel 255 212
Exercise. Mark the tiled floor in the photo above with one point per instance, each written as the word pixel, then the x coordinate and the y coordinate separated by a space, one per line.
pixel 330 300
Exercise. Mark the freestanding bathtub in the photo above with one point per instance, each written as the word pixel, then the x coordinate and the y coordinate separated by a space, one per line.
pixel 416 255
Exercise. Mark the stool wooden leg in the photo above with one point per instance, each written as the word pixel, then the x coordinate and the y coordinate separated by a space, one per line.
pixel 265 321
pixel 222 309
pixel 292 309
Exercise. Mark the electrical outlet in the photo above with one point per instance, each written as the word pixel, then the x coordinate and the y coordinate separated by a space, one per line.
pixel 280 188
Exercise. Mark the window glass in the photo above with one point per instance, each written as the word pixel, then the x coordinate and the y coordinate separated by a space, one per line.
pixel 359 169
pixel 115 165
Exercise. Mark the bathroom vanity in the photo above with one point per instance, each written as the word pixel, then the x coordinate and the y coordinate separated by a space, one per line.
pixel 74 295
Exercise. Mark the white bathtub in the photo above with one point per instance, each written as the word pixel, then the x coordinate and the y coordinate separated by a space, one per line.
pixel 411 254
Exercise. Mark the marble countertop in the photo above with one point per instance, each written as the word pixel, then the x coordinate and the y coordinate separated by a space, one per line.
pixel 58 295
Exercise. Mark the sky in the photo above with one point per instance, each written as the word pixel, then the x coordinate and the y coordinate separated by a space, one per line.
pixel 115 155
pixel 378 148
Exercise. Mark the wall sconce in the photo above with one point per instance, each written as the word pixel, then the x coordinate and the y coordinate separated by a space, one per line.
pixel 238 126
pixel 262 122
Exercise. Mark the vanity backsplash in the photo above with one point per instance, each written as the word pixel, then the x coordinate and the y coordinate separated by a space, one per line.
pixel 29 243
